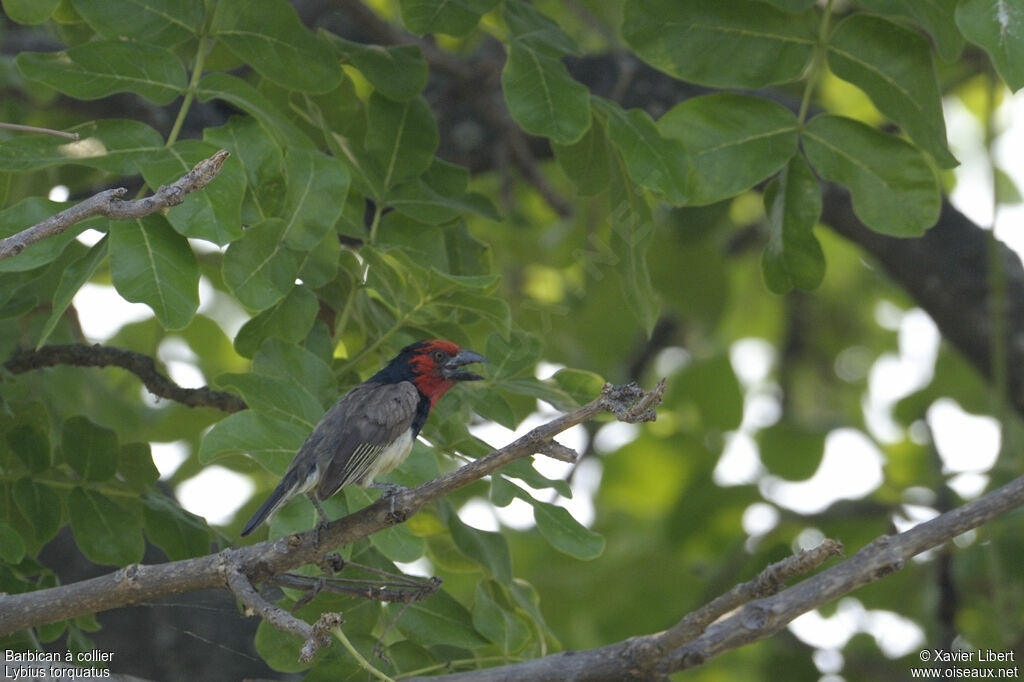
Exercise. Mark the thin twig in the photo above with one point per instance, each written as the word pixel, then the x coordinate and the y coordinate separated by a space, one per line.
pixel 143 366
pixel 33 129
pixel 110 204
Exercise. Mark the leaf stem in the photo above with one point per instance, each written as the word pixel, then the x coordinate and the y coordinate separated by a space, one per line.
pixel 363 663
pixel 817 63
pixel 190 91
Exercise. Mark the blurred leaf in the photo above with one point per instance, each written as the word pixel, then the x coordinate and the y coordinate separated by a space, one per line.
pixel 29 12
pixel 503 627
pixel 894 190
pixel 565 533
pixel 103 67
pixel 791 5
pixel 31 445
pixel 894 66
pixel 582 385
pixel 180 534
pixel 732 143
pixel 489 550
pixel 270 441
pixel 542 97
pixel 632 227
pixel 12 547
pixel 587 162
pixel 72 279
pixel 151 263
pixel 708 386
pixel 112 145
pixel 790 450
pixel 259 268
pixel 438 619
pixel 89 448
pixel 531 27
pixel 653 160
pixel 105 532
pixel 997 28
pixel 251 145
pixel 793 257
pixel 316 189
pixel 268 35
pixel 1006 189
pixel 454 17
pixel 238 93
pixel 41 505
pixel 401 137
pixel 277 397
pixel 398 72
pixel 161 22
pixel 213 213
pixel 135 466
pixel 739 44
pixel 937 18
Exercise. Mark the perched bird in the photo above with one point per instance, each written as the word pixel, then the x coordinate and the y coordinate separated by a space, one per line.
pixel 370 431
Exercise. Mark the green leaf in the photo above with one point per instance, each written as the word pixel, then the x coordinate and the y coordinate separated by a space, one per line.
pixel 453 17
pixel 161 22
pixel 894 66
pixel 41 505
pixel 653 161
pixel 565 533
pixel 180 534
pixel 632 228
pixel 238 93
pixel 489 550
pixel 135 466
pixel 268 35
pixel 258 268
pixel 740 44
pixel 721 409
pixel 289 320
pixel 528 25
pixel 437 620
pixel 71 280
pixel 542 97
pixel 790 451
pixel 89 448
pixel 502 626
pixel 151 263
pixel 420 201
pixel 29 12
pixel 793 257
pixel 12 547
pixel 112 145
pixel 732 143
pixel 276 397
pixel 587 162
pixel 270 441
pixel 315 195
pixel 399 544
pixel 250 144
pixel 894 190
pixel 791 5
pixel 103 67
pixel 31 445
pixel 398 72
pixel 401 137
pixel 937 18
pixel 105 532
pixel 997 27
pixel 581 385
pixel 291 362
pixel 213 213
pixel 493 309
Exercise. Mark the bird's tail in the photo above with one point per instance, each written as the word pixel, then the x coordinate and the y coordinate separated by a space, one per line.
pixel 284 491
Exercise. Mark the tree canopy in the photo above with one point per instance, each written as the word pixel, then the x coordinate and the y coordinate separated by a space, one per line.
pixel 745 198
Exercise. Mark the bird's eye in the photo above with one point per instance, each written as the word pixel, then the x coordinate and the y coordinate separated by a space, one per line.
pixel 439 355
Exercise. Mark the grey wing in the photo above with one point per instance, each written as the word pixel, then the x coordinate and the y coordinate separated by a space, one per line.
pixel 356 430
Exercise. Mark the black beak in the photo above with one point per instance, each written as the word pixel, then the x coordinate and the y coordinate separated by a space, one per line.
pixel 451 370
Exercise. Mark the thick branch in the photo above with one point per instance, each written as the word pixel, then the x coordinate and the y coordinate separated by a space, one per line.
pixel 109 203
pixel 143 366
pixel 140 583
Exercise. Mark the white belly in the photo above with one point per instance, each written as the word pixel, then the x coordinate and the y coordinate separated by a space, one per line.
pixel 389 458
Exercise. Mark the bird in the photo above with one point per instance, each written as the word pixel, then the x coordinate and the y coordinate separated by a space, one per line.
pixel 371 429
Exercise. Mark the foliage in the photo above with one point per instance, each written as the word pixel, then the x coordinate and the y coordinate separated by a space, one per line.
pixel 335 234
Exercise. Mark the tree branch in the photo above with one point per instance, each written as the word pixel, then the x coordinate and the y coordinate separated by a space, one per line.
pixel 261 562
pixel 143 366
pixel 33 129
pixel 109 203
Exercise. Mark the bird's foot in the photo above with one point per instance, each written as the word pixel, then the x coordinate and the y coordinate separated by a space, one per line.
pixel 389 491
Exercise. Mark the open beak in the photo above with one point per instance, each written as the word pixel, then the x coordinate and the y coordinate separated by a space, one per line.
pixel 464 357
